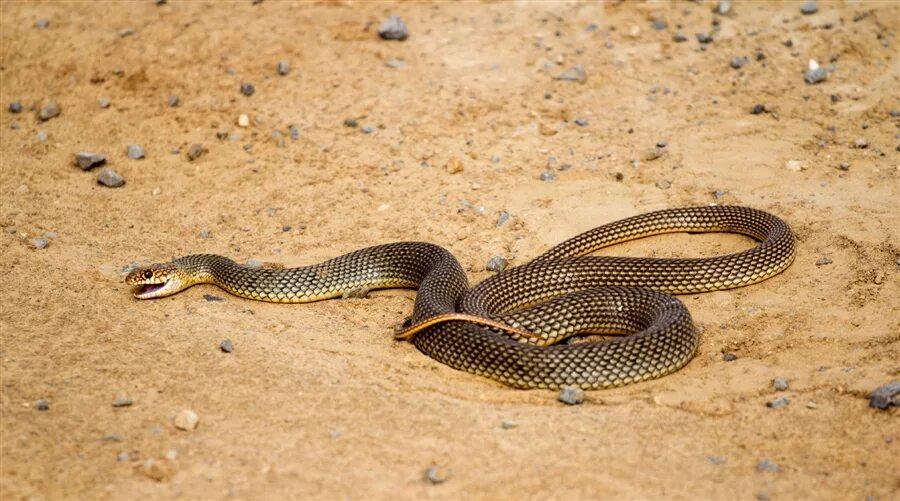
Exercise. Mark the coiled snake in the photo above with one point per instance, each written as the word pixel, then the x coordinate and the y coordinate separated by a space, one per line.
pixel 559 294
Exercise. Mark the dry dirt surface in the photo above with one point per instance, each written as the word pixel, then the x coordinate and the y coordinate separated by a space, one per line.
pixel 366 141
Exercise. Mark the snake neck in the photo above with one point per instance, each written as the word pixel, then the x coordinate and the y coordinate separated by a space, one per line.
pixel 203 268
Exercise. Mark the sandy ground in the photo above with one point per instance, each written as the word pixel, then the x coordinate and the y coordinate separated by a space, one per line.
pixel 318 401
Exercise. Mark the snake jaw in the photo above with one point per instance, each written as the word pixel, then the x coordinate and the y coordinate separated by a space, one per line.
pixel 154 281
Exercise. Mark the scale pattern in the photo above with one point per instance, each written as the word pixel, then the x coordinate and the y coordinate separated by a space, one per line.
pixel 557 295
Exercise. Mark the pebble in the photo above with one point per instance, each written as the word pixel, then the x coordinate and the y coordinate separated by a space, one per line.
pixel 195 152
pixel 704 37
pixel 809 7
pixel 134 151
pixel 663 184
pixel 454 165
pixel 42 405
pixel 815 75
pixel 879 277
pixel 860 143
pixel 778 402
pixel 51 234
pixel 659 24
pixel 243 120
pixel 762 495
pixel 574 74
pixel 496 264
pixel 211 298
pixel 283 68
pixel 111 437
pixel 679 37
pixel 758 109
pixel 15 107
pixel 885 396
pixel 502 218
pixel 843 166
pixel 547 176
pixel 49 110
pixel 793 165
pixel 766 465
pixel 173 101
pixel 111 178
pixel 738 61
pixel 103 102
pixel 253 263
pixel 41 136
pixel 822 261
pixel 226 346
pixel 780 384
pixel 186 420
pixel 717 460
pixel 42 23
pixel 393 28
pixel 436 475
pixel 294 132
pixel 350 122
pixel 571 395
pixel 723 7
pixel 394 63
pixel 729 357
pixel 508 424
pixel 87 160
pixel 581 122
pixel 123 456
pixel 366 129
pixel 247 89
pixel 156 469
pixel 122 402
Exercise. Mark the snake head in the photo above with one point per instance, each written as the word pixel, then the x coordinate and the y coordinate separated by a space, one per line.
pixel 157 280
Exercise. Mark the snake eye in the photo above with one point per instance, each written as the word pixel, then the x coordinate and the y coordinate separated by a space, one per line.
pixel 148 274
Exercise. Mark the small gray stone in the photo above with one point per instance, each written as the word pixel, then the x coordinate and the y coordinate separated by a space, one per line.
pixel 366 129
pixel 41 136
pixel 195 152
pixel 286 228
pixel 658 24
pixel 571 395
pixel 253 263
pixel 591 27
pixel 758 109
pixel 809 7
pixel 173 101
pixel 885 396
pixel 574 74
pixel 780 384
pixel 213 299
pixel 766 465
pixel 49 110
pixel 662 143
pixel 39 243
pixel 581 122
pixel 860 143
pixel 729 357
pixel 436 475
pixel 815 76
pixel 843 166
pixel 204 233
pixel 15 107
pixel 122 402
pixel 723 7
pixel 103 102
pixel 738 61
pixel 508 424
pixel 778 402
pixel 762 495
pixel 42 23
pixel 704 37
pixel 123 456
pixel 14 125
pixel 502 218
pixel 394 63
pixel 350 122
pixel 496 264
pixel 822 261
pixel 393 28
pixel 716 460
pixel 679 37
pixel 294 132
pixel 547 176
pixel 226 346
pixel 87 160
pixel 134 151
pixel 42 405
pixel 283 68
pixel 247 89
pixel 111 178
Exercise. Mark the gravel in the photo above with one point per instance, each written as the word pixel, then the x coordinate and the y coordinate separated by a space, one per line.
pixel 778 402
pixel 664 184
pixel 780 384
pixel 659 24
pixel 729 357
pixel 42 23
pixel 581 122
pixel 366 129
pixel 394 63
pixel 283 67
pixel 211 298
pixel 723 7
pixel 704 37
pixel 134 151
pixel 436 475
pixel 815 75
pixel 738 61
pixel 496 264
pixel 87 160
pixel 502 218
pixel 15 107
pixel 226 346
pixel 103 102
pixel 173 101
pixel 186 420
pixel 294 132
pixel 123 456
pixel 843 166
pixel 822 261
pixel 122 402
pixel 111 178
pixel 765 465
pixel 247 89
pixel 351 122
pixel 679 37
pixel 393 28
pixel 571 395
pixel 508 424
pixel 860 143
pixel 574 74
pixel 42 405
pixel 758 109
pixel 762 495
pixel 885 396
pixel 809 7
pixel 39 243
pixel 111 437
pixel 49 110
pixel 41 136
pixel 195 151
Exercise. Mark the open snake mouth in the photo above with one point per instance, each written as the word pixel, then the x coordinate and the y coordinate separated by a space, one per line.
pixel 145 290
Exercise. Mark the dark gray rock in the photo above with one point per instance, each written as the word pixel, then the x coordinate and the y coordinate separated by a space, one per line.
pixel 283 67
pixel 738 61
pixel 15 107
pixel 294 132
pixel 659 24
pixel 758 109
pixel 351 122
pixel 574 74
pixel 247 89
pixel 729 357
pixel 822 261
pixel 122 402
pixel 502 218
pixel 393 28
pixel 885 396
pixel 860 143
pixel 581 122
pixel 110 178
pixel 49 110
pixel 42 405
pixel 195 151
pixel 780 384
pixel 226 346
pixel 496 264
pixel 571 395
pixel 211 298
pixel 134 151
pixel 814 76
pixel 809 7
pixel 87 160
pixel 704 37
pixel 778 402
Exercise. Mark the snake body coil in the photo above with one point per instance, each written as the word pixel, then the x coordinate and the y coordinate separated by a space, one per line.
pixel 559 294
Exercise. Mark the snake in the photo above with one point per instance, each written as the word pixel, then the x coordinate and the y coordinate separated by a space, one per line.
pixel 565 318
